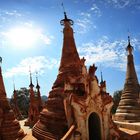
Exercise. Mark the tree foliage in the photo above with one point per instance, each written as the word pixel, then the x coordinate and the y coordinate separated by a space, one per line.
pixel 116 99
pixel 22 100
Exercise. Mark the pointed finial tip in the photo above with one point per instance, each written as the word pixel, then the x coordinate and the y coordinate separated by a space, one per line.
pixel 63 7
pixel 128 39
pixel 65 15
pixel 66 19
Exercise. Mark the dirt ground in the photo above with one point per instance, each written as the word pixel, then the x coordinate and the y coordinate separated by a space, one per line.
pixel 27 130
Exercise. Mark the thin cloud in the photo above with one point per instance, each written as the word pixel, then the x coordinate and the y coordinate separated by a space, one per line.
pixel 85 22
pixel 124 3
pixel 7 15
pixel 110 54
pixel 95 10
pixel 38 64
pixel 10 13
pixel 13 13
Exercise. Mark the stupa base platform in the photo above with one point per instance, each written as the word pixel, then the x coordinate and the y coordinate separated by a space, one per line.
pixel 127 134
pixel 131 126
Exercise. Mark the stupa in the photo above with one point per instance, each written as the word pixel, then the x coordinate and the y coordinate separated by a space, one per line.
pixel 9 125
pixel 78 107
pixel 14 106
pixel 129 105
pixel 35 104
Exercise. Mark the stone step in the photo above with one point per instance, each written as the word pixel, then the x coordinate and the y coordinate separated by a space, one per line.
pixel 128 134
pixel 131 126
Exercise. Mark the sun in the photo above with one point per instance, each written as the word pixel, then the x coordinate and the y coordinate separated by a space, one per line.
pixel 22 37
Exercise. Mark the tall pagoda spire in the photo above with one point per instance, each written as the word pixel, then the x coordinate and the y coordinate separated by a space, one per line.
pixel 129 108
pixel 53 118
pixel 30 120
pixel 70 61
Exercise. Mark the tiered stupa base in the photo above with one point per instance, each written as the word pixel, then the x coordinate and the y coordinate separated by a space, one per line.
pixel 128 109
pixel 52 123
pixel 10 128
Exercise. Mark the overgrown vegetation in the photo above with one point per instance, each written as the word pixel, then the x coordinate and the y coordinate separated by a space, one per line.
pixel 22 100
pixel 116 99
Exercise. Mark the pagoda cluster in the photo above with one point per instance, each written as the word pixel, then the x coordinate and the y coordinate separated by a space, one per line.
pixel 78 106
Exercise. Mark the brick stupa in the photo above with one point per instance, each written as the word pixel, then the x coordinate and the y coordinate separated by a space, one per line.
pixel 9 125
pixel 78 108
pixel 15 106
pixel 129 105
pixel 35 104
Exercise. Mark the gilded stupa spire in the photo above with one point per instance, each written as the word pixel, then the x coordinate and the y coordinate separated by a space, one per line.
pixel 129 108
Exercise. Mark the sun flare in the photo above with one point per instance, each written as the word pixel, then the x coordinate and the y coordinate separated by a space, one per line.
pixel 22 37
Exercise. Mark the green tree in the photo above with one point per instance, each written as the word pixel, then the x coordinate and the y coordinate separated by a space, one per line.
pixel 22 100
pixel 116 99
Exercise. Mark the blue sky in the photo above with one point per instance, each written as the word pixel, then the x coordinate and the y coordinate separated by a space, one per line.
pixel 31 36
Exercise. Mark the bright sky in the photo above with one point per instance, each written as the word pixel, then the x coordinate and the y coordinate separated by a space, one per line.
pixel 31 35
